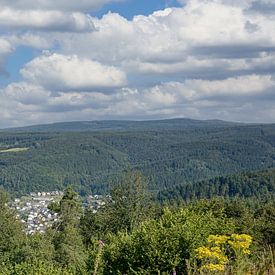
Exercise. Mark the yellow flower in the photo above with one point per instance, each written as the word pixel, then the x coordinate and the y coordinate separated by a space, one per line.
pixel 213 267
pixel 217 239
pixel 213 256
pixel 216 249
pixel 204 253
pixel 240 242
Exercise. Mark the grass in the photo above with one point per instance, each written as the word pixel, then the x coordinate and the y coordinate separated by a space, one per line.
pixel 14 150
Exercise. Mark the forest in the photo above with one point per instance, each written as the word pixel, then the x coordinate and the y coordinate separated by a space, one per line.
pixel 90 156
pixel 186 197
pixel 260 184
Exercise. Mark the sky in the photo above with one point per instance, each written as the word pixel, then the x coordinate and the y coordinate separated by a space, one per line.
pixel 71 60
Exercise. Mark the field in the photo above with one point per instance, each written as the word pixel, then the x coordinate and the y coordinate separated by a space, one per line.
pixel 13 150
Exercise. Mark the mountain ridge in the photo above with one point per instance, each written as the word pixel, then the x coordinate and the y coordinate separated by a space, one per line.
pixel 168 153
pixel 122 125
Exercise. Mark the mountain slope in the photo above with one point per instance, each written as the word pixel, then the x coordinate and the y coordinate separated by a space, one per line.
pixel 168 156
pixel 122 125
pixel 259 184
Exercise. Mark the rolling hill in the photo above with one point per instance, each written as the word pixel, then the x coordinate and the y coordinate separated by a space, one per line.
pixel 122 125
pixel 90 155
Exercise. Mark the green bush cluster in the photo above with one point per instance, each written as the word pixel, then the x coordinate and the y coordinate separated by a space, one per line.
pixel 134 234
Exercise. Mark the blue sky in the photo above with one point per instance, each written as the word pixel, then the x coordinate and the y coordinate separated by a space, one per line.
pixel 130 8
pixel 126 8
pixel 14 62
pixel 107 59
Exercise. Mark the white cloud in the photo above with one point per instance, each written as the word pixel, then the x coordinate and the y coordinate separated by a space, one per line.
pixel 5 46
pixel 60 72
pixel 63 5
pixel 26 93
pixel 229 99
pixel 207 59
pixel 242 88
pixel 45 20
pixel 30 39
pixel 201 36
pixel 248 86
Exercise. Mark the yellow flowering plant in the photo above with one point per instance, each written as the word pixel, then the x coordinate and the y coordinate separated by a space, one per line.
pixel 240 243
pixel 214 257
pixel 217 239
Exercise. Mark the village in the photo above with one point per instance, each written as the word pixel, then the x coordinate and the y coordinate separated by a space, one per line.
pixel 33 209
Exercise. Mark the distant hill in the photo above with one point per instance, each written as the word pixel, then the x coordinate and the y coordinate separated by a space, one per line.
pixel 257 184
pixel 121 125
pixel 90 155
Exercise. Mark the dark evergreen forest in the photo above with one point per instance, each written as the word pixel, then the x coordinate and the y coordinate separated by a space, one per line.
pixel 170 153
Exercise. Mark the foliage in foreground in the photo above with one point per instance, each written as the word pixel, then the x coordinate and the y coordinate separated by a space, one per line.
pixel 134 235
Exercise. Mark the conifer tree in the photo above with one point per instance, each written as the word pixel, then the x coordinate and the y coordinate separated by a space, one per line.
pixel 69 247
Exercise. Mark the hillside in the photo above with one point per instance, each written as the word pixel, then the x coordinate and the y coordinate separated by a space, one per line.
pixel 168 152
pixel 122 125
pixel 258 184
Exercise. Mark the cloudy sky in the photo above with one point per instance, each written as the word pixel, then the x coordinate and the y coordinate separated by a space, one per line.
pixel 66 60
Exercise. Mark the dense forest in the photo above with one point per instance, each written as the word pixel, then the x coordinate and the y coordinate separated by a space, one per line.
pixel 260 184
pixel 91 155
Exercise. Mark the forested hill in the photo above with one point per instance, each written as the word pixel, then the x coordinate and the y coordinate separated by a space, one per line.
pixel 123 125
pixel 258 184
pixel 167 153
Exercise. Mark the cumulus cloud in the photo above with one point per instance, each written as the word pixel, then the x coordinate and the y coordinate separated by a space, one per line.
pixel 206 37
pixel 229 99
pixel 45 20
pixel 243 89
pixel 26 93
pixel 206 59
pixel 30 39
pixel 63 5
pixel 60 72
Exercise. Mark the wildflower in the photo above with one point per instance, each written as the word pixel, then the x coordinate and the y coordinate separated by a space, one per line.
pixel 203 252
pixel 210 253
pixel 216 249
pixel 217 239
pixel 240 242
pixel 212 267
pixel 213 256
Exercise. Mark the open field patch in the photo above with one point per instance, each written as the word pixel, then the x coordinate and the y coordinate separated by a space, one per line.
pixel 14 150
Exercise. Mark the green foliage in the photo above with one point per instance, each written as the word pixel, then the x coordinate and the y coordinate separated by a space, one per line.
pixel 129 204
pixel 251 216
pixel 130 201
pixel 168 153
pixel 161 245
pixel 69 248
pixel 38 268
pixel 69 209
pixel 11 234
pixel 264 227
pixel 260 184
pixel 39 248
pixel 128 236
